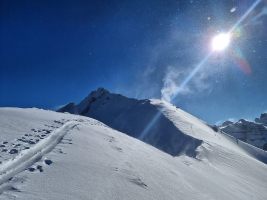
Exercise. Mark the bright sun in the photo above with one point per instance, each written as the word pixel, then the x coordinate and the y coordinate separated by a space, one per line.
pixel 220 42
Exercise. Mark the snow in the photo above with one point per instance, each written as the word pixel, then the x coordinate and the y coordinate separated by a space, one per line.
pixel 252 132
pixel 198 129
pixel 132 116
pixel 155 122
pixel 13 122
pixel 29 156
pixel 90 160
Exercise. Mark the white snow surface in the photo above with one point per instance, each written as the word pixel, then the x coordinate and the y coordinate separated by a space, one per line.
pixel 75 157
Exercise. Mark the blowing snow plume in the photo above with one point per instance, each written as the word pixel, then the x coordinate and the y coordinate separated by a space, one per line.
pixel 170 84
pixel 176 81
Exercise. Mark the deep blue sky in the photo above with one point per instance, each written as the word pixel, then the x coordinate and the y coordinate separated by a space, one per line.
pixel 54 52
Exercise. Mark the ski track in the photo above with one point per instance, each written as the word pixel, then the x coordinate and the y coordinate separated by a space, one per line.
pixel 29 156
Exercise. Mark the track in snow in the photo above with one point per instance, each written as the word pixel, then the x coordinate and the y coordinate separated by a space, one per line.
pixel 29 156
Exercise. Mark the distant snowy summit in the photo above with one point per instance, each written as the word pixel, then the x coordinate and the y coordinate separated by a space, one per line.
pixel 252 132
pixel 142 119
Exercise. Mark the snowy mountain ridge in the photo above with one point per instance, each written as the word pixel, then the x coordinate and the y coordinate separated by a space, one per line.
pixel 52 155
pixel 252 132
pixel 167 127
pixel 132 116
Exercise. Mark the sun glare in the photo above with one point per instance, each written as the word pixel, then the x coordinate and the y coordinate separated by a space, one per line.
pixel 220 41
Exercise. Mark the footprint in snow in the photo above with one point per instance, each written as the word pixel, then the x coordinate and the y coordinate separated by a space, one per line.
pixel 13 151
pixel 116 169
pixel 58 151
pixel 31 169
pixel 117 148
pixel 48 162
pixel 187 163
pixel 40 168
pixel 110 139
pixel 31 142
pixel 131 177
pixel 138 181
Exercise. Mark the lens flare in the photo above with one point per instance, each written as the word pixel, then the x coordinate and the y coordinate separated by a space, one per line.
pixel 241 61
pixel 220 42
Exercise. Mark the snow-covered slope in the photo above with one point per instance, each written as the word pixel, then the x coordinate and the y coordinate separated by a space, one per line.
pixel 254 133
pixel 75 157
pixel 198 129
pixel 132 116
pixel 153 121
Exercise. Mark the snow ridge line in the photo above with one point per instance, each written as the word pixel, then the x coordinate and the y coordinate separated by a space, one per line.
pixel 29 156
pixel 253 151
